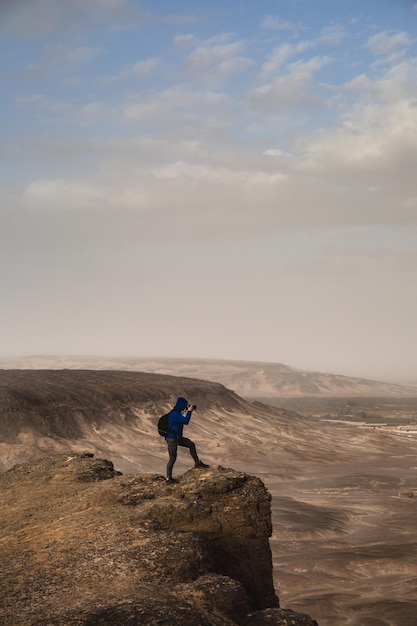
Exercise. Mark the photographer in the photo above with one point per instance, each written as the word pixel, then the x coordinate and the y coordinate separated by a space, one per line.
pixel 177 419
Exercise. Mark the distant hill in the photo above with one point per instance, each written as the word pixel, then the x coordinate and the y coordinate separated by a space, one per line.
pixel 250 379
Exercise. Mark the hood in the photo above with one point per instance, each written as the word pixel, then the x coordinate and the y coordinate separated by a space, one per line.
pixel 181 404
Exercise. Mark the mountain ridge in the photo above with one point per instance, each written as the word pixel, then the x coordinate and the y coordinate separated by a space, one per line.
pixel 251 379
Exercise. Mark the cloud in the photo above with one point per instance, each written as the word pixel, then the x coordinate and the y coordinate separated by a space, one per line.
pixel 38 18
pixel 209 54
pixel 56 61
pixel 141 68
pixel 372 147
pixel 332 35
pixel 182 149
pixel 179 18
pixel 83 54
pixel 33 72
pixel 279 57
pixel 60 194
pixel 26 18
pixel 212 201
pixel 178 108
pixel 389 45
pixel 207 202
pixel 184 42
pixel 92 112
pixel 275 152
pixel 292 89
pixel 198 173
pixel 274 22
pixel 214 60
pixel 397 83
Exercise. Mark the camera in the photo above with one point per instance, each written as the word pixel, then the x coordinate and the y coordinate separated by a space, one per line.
pixel 193 407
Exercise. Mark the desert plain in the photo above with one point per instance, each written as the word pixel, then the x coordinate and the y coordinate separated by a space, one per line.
pixel 344 495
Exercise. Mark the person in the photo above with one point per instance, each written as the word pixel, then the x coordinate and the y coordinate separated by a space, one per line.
pixel 177 419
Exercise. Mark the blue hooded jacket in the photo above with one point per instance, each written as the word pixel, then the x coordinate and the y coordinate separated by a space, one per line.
pixel 177 420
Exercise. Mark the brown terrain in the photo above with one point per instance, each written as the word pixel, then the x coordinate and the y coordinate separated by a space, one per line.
pixel 343 506
pixel 249 379
pixel 82 544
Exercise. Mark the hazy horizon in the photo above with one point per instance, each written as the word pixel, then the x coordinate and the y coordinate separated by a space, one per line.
pixel 195 180
pixel 33 358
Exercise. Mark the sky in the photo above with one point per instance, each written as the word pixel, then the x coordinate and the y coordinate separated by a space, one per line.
pixel 226 180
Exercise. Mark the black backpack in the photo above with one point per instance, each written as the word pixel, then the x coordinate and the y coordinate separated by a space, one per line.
pixel 163 428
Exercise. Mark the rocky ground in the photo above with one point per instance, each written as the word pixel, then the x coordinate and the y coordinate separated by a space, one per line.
pixel 81 544
pixel 343 497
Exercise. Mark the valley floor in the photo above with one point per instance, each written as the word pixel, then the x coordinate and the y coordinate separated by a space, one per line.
pixel 343 545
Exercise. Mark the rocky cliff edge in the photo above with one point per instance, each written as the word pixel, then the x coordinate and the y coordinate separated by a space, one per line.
pixel 82 544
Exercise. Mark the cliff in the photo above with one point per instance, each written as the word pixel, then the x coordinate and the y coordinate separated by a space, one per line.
pixel 83 544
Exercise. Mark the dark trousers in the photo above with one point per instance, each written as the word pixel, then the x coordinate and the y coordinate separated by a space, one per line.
pixel 172 451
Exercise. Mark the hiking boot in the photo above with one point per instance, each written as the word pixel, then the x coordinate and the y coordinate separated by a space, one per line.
pixel 170 481
pixel 200 464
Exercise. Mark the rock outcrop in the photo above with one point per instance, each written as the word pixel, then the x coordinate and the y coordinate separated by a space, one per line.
pixel 82 544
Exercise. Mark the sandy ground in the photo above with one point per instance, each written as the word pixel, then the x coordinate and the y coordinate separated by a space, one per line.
pixel 344 540
pixel 343 545
pixel 344 508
